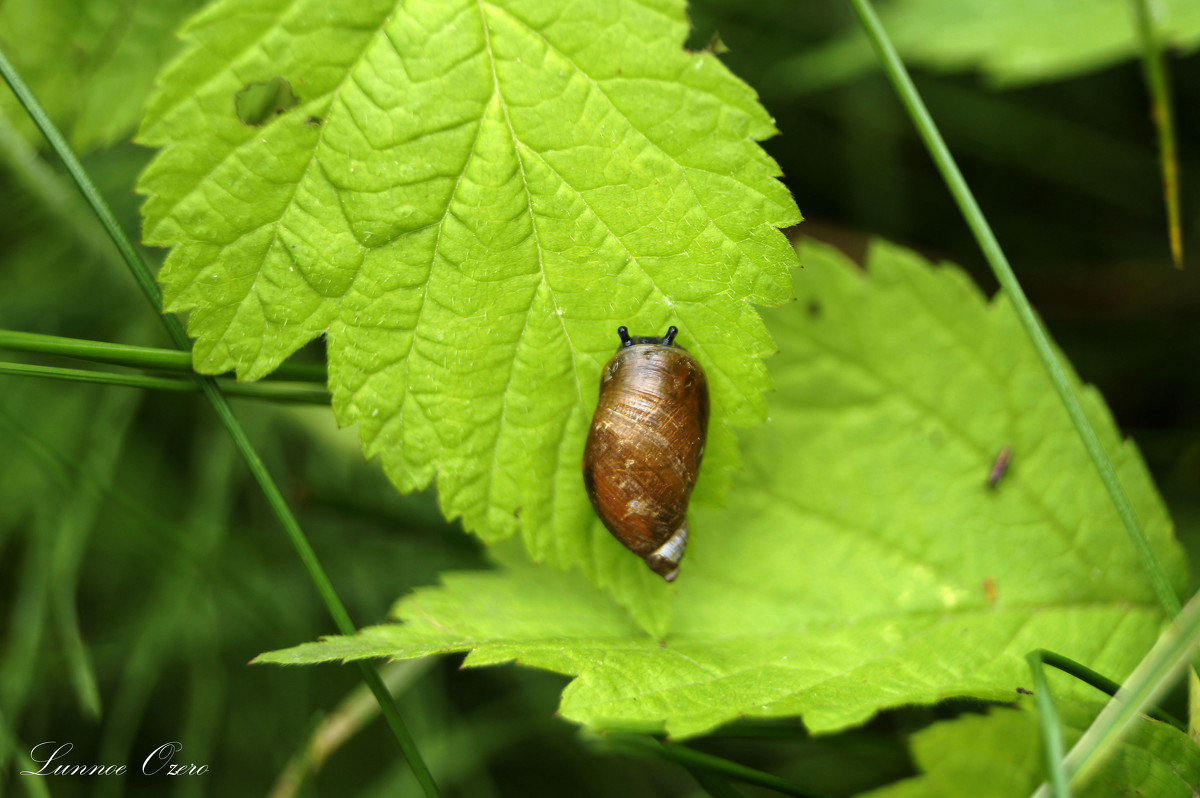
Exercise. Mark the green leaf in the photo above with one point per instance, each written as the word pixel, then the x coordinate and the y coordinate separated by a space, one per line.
pixel 863 562
pixel 1009 42
pixel 997 755
pixel 467 201
pixel 91 62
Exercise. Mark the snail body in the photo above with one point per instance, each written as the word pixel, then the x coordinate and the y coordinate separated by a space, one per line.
pixel 645 445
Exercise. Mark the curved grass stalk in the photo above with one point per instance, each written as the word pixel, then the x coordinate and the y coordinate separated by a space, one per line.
pixel 1149 679
pixel 1101 682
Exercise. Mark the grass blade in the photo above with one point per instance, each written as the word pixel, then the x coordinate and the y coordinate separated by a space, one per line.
pixel 272 393
pixel 140 357
pixel 694 760
pixel 713 784
pixel 1149 679
pixel 1101 682
pixel 1158 82
pixel 346 720
pixel 1052 739
pixel 145 280
pixel 996 259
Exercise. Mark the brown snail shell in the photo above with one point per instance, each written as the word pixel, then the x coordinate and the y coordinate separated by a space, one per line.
pixel 644 448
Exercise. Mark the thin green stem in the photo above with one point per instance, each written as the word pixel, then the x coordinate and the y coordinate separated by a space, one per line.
pixel 713 784
pixel 1158 82
pixel 1052 739
pixel 129 253
pixel 346 720
pixel 270 393
pixel 1025 313
pixel 692 759
pixel 142 357
pixel 1101 682
pixel 145 280
pixel 1149 679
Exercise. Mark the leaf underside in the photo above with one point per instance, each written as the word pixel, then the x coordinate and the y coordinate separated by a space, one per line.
pixel 863 561
pixel 466 202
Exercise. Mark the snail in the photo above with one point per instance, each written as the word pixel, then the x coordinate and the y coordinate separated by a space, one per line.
pixel 645 445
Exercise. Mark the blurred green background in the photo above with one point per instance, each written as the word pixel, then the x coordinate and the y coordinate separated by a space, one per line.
pixel 140 568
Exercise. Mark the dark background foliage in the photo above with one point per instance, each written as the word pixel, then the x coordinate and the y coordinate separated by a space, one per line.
pixel 132 538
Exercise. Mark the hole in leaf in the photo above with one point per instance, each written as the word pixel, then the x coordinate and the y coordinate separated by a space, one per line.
pixel 257 103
